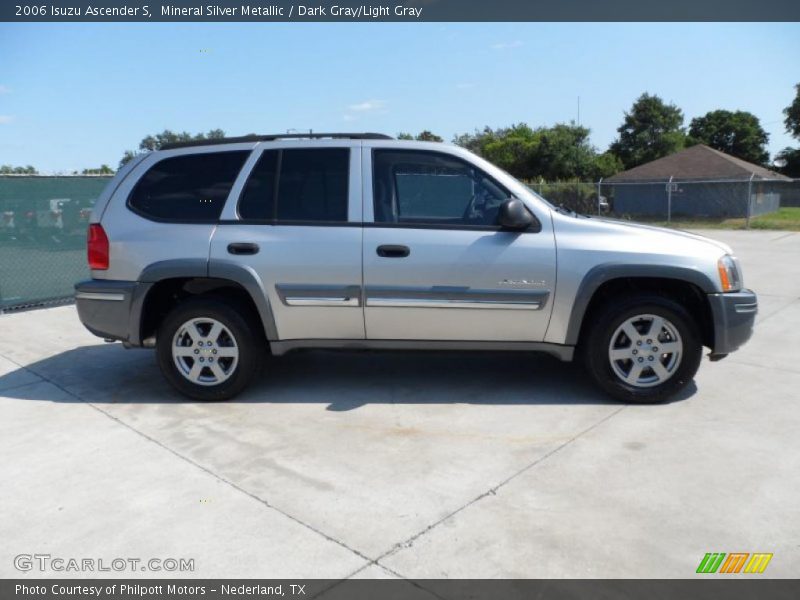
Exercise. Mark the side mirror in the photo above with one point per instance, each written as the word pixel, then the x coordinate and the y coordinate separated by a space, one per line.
pixel 514 215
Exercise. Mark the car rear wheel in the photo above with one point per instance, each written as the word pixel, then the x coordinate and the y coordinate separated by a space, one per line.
pixel 207 349
pixel 642 350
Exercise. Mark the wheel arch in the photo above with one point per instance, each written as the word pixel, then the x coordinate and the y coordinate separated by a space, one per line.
pixel 166 283
pixel 688 286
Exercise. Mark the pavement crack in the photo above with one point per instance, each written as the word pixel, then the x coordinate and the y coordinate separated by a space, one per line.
pixel 233 485
pixel 736 361
pixel 780 310
pixel 19 385
pixel 197 465
pixel 409 542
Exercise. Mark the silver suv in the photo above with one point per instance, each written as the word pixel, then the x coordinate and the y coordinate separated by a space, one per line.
pixel 221 253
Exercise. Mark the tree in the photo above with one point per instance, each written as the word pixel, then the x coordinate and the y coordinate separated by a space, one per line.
pixel 605 165
pixel 736 133
pixel 557 153
pixel 9 170
pixel 155 142
pixel 424 136
pixel 791 156
pixel 511 149
pixel 563 152
pixel 792 112
pixel 102 170
pixel 651 129
pixel 427 136
pixel 127 157
pixel 474 142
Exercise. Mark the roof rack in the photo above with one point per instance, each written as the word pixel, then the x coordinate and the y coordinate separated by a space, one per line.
pixel 277 136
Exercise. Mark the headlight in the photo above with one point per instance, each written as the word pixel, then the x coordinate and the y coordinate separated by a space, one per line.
pixel 729 276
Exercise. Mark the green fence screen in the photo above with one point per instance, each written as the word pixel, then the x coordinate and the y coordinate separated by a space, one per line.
pixel 43 223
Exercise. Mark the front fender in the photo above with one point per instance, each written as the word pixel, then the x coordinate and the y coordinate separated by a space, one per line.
pixel 606 272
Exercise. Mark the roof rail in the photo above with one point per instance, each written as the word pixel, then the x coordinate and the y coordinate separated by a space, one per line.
pixel 276 136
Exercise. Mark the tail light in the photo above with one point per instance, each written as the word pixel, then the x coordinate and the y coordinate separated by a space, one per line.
pixel 97 247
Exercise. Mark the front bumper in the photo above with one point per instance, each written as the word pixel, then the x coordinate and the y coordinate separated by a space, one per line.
pixel 734 314
pixel 111 309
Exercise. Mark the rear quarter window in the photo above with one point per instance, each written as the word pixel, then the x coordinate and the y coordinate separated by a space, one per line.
pixel 191 188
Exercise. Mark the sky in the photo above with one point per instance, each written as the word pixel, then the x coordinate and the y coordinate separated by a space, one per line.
pixel 75 96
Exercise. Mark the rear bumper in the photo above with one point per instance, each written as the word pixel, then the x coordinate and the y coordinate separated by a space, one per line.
pixel 734 314
pixel 111 309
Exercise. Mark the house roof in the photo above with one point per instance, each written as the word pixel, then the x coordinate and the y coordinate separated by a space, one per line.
pixel 696 163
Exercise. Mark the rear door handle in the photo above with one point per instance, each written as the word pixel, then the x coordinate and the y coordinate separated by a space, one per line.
pixel 393 251
pixel 243 248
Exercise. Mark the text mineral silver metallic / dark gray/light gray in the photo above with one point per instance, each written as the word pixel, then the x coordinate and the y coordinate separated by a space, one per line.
pixel 405 245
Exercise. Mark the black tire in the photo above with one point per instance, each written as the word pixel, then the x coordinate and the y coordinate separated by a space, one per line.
pixel 242 326
pixel 605 321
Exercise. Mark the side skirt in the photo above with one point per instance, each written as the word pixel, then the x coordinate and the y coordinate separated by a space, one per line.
pixel 564 353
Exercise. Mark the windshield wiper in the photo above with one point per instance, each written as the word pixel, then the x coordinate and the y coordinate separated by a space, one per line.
pixel 573 213
pixel 566 211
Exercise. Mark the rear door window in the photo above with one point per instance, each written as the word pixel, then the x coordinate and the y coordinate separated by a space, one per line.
pixel 190 188
pixel 303 185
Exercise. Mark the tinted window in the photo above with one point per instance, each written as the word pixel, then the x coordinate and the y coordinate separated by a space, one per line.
pixel 311 186
pixel 432 188
pixel 258 197
pixel 187 188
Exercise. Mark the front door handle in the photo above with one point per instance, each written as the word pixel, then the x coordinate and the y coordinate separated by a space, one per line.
pixel 243 248
pixel 393 251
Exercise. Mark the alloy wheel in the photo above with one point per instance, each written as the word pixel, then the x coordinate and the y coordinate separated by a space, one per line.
pixel 645 350
pixel 205 351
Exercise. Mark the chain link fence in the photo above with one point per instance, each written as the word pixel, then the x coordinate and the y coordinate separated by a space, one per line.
pixel 43 223
pixel 673 200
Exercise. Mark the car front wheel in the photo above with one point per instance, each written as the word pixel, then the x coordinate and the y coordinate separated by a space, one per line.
pixel 642 350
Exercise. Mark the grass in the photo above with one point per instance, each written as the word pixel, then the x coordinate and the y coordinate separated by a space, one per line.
pixel 787 219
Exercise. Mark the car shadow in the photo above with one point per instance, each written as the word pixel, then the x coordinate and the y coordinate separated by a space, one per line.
pixel 342 380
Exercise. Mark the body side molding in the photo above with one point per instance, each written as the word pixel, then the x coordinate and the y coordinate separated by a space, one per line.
pixel 318 295
pixel 455 297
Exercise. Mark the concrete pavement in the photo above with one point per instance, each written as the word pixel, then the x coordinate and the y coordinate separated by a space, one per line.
pixel 404 465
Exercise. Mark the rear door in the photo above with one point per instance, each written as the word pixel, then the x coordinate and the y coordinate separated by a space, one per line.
pixel 436 264
pixel 294 220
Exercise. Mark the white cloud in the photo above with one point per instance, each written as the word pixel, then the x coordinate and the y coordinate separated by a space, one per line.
pixel 507 45
pixel 5 119
pixel 367 106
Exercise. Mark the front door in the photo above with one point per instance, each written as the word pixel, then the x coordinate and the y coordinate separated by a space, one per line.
pixel 436 264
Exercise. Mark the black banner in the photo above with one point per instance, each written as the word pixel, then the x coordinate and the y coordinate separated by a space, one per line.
pixel 714 588
pixel 399 10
